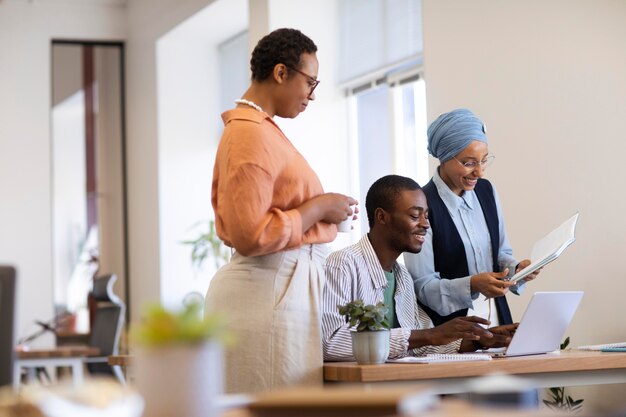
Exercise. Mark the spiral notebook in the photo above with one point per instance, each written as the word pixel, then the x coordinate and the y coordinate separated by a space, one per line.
pixel 443 357
pixel 618 345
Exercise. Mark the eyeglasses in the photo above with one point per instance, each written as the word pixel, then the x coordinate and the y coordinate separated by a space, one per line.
pixel 472 165
pixel 313 82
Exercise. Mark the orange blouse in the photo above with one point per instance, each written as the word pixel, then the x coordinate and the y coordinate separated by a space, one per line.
pixel 259 180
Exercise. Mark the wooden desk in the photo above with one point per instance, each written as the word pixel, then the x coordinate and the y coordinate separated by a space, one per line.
pixel 67 338
pixel 567 368
pixel 448 408
pixel 359 400
pixel 71 356
pixel 119 360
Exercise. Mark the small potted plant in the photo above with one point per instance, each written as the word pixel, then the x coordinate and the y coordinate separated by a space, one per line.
pixel 370 331
pixel 178 366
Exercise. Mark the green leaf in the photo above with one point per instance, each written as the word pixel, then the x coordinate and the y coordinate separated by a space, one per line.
pixel 365 317
pixel 561 401
pixel 207 245
pixel 551 405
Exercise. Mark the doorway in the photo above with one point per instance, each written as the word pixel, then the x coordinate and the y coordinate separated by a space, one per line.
pixel 88 174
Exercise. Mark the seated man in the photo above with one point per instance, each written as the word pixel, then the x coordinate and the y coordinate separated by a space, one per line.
pixel 397 213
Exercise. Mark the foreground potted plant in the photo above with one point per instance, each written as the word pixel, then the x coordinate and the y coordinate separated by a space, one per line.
pixel 370 331
pixel 178 367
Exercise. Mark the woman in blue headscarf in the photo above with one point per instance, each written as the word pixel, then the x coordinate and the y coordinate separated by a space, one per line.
pixel 466 252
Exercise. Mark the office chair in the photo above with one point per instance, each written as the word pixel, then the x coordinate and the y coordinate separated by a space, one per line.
pixel 107 327
pixel 7 317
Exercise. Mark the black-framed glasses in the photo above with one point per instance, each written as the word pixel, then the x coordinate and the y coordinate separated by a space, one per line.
pixel 313 82
pixel 472 165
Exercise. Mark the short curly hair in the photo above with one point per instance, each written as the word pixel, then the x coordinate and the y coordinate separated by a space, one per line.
pixel 385 192
pixel 282 46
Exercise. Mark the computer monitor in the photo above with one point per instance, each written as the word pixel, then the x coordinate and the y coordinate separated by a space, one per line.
pixel 7 318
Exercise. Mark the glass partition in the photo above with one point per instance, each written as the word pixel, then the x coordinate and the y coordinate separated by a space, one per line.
pixel 88 175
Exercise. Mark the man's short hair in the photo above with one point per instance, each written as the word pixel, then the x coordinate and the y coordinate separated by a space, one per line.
pixel 384 193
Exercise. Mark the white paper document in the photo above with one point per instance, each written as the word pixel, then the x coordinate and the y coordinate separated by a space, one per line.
pixel 550 247
pixel 443 357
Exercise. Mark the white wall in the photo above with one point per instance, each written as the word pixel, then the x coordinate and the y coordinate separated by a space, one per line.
pixel 189 130
pixel 26 31
pixel 187 113
pixel 548 80
pixel 321 132
pixel 148 21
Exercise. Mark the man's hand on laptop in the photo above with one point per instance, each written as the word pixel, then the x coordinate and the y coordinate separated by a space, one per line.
pixel 458 328
pixel 501 336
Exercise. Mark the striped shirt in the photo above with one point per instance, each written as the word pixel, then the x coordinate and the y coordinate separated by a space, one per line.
pixel 355 273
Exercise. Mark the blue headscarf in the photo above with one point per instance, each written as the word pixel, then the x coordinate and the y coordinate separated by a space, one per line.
pixel 452 132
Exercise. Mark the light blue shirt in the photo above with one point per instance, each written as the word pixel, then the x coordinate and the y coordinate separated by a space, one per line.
pixel 446 296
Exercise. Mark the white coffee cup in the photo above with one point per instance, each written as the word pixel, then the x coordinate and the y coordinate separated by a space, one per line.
pixel 346 225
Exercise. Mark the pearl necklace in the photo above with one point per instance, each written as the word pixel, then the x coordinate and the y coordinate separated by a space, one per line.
pixel 249 103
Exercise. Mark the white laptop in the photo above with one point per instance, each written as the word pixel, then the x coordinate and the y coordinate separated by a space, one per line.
pixel 543 325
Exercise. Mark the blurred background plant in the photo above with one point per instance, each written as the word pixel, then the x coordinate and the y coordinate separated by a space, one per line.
pixel 207 245
pixel 558 399
pixel 162 327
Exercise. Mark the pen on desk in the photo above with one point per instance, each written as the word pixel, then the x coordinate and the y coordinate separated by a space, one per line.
pixel 614 349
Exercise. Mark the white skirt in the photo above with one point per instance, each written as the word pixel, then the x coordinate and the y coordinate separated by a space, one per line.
pixel 272 304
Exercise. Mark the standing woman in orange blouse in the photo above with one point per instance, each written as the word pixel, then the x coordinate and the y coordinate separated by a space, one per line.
pixel 270 207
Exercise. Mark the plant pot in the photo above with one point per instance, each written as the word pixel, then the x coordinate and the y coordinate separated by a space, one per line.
pixel 180 380
pixel 370 347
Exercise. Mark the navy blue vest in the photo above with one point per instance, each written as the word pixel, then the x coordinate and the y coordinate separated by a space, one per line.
pixel 448 249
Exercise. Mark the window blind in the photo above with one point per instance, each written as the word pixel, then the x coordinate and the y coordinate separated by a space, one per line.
pixel 378 34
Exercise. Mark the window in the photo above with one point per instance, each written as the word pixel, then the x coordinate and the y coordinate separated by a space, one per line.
pixel 410 130
pixel 376 34
pixel 380 68
pixel 234 72
pixel 388 133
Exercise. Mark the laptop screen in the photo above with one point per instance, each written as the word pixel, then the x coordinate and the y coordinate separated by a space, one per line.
pixel 544 323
